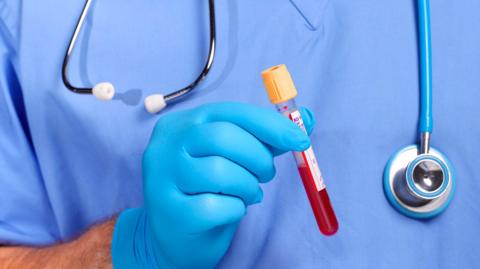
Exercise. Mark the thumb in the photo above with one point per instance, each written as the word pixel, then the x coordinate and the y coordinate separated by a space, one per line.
pixel 308 122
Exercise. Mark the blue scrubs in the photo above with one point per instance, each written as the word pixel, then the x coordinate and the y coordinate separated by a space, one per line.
pixel 68 161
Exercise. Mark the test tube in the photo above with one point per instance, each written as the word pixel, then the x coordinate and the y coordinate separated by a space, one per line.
pixel 282 92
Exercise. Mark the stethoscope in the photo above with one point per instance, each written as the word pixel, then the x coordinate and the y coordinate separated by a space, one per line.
pixel 419 181
pixel 153 103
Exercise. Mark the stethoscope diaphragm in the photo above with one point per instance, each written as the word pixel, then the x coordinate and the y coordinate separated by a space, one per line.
pixel 419 185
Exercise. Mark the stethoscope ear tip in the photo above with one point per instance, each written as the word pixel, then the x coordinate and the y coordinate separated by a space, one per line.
pixel 155 103
pixel 104 91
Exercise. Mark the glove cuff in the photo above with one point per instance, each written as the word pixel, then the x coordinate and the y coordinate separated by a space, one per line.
pixel 132 246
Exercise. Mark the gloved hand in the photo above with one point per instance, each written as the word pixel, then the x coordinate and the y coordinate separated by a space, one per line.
pixel 201 170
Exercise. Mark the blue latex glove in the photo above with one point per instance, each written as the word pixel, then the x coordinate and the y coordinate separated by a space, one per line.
pixel 201 170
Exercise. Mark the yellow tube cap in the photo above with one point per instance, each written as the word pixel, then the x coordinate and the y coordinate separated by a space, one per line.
pixel 279 84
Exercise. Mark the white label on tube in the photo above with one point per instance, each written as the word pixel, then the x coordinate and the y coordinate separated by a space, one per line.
pixel 296 117
pixel 308 157
pixel 312 166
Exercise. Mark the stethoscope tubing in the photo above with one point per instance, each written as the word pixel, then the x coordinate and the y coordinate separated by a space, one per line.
pixel 176 95
pixel 425 51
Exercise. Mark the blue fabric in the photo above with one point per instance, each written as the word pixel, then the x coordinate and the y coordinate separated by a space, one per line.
pixel 68 161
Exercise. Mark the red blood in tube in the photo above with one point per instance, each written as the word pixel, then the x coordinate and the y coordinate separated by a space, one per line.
pixel 320 202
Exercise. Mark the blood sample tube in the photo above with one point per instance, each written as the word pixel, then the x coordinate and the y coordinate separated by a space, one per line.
pixel 282 93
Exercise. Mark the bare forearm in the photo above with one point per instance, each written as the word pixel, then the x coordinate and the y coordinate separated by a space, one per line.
pixel 91 250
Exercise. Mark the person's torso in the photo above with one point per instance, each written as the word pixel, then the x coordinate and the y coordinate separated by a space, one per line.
pixel 355 65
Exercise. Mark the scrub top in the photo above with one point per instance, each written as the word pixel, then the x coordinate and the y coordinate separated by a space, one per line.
pixel 68 161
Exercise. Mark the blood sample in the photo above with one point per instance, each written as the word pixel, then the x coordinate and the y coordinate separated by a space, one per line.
pixel 282 93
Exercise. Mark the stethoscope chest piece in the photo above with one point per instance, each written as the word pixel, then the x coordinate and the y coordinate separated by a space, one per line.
pixel 419 185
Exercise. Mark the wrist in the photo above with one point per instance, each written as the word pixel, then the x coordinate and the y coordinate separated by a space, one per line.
pixel 132 242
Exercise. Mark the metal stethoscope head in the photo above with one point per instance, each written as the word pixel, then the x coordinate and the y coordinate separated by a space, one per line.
pixel 419 181
pixel 419 184
pixel 155 102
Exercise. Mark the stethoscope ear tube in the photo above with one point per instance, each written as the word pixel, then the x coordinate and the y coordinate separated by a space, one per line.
pixel 68 53
pixel 155 102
